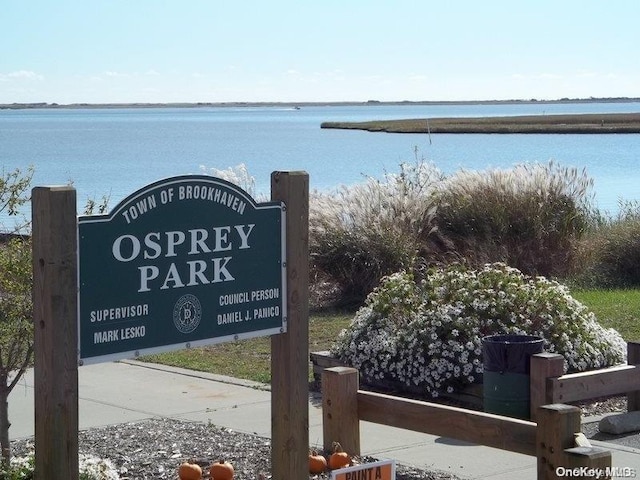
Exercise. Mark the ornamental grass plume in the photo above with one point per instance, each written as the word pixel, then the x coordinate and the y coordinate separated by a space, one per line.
pixel 428 332
pixel 359 233
pixel 238 175
pixel 530 216
pixel 610 253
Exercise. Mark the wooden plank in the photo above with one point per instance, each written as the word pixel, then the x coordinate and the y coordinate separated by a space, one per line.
pixel 557 425
pixel 543 366
pixel 475 427
pixel 597 460
pixel 325 360
pixel 340 422
pixel 633 358
pixel 594 384
pixel 322 360
pixel 55 286
pixel 290 351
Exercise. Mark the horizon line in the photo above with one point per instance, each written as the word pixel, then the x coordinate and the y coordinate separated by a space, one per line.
pixel 18 105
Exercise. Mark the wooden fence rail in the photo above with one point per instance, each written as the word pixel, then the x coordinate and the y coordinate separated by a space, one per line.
pixel 470 426
pixel 549 385
pixel 551 440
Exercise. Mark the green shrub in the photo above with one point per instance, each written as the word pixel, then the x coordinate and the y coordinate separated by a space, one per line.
pixel 529 216
pixel 428 333
pixel 610 254
pixel 21 468
pixel 360 233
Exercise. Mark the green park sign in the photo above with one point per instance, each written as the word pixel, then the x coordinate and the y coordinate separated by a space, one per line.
pixel 183 262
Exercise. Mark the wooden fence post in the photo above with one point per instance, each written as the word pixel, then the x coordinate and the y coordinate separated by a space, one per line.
pixel 633 358
pixel 340 422
pixel 290 351
pixel 55 287
pixel 597 460
pixel 557 426
pixel 543 366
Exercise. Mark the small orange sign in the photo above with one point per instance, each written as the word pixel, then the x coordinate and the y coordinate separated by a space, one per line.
pixel 383 470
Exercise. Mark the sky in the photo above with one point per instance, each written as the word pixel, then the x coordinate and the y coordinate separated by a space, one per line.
pixel 123 51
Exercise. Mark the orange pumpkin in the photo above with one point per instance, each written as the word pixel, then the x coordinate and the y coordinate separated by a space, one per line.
pixel 189 471
pixel 339 458
pixel 317 463
pixel 221 471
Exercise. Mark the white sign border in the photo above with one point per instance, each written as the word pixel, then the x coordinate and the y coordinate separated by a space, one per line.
pixel 107 217
pixel 366 466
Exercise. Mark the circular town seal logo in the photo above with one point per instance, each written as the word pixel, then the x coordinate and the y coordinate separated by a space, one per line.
pixel 187 313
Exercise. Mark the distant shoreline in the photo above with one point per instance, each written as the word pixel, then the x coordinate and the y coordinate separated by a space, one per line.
pixel 35 105
pixel 588 123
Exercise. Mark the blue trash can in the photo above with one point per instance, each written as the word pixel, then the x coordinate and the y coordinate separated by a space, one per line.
pixel 506 373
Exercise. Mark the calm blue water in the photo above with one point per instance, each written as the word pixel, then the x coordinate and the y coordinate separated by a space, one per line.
pixel 116 151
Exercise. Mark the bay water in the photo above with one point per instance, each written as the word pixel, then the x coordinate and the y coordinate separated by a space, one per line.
pixel 116 151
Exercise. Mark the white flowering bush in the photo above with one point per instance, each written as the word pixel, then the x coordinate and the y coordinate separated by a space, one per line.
pixel 91 468
pixel 96 468
pixel 428 333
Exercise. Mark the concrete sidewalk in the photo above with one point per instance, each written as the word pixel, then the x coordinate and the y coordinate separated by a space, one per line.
pixel 129 391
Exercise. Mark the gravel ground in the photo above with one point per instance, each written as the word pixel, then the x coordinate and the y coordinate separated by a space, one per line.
pixel 153 449
pixel 604 405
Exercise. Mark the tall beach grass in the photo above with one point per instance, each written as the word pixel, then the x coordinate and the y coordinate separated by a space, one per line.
pixel 530 216
pixel 537 215
pixel 360 233
pixel 534 217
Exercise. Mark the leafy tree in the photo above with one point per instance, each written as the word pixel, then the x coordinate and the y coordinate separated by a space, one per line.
pixel 14 194
pixel 16 279
pixel 16 282
pixel 93 207
pixel 16 325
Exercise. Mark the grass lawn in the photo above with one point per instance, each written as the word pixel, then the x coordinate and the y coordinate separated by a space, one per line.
pixel 250 359
pixel 619 309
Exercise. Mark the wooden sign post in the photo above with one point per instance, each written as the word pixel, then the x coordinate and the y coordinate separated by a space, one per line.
pixel 290 351
pixel 59 260
pixel 55 290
